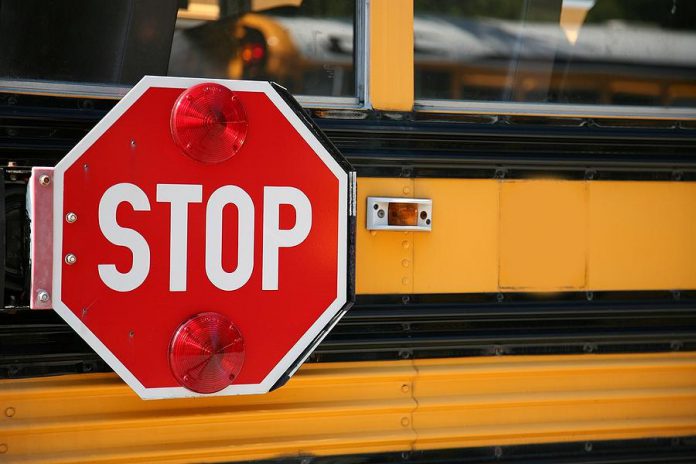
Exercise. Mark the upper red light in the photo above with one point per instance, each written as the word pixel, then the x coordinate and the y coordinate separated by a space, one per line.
pixel 209 123
pixel 206 353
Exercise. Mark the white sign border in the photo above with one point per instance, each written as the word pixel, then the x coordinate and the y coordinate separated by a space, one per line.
pixel 99 129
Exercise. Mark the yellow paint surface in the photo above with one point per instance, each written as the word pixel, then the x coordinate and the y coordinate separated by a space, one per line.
pixel 543 229
pixel 466 236
pixel 348 408
pixel 643 235
pixel 391 55
pixel 384 260
pixel 533 235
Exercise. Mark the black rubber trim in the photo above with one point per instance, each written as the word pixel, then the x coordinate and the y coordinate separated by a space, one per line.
pixel 3 235
pixel 392 327
pixel 40 130
pixel 643 451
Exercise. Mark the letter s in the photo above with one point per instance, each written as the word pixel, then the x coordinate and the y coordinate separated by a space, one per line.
pixel 123 236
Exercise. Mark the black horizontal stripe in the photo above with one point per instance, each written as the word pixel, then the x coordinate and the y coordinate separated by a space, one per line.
pixel 35 343
pixel 39 130
pixel 643 451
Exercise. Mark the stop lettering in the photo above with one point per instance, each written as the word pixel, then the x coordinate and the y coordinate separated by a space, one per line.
pixel 180 196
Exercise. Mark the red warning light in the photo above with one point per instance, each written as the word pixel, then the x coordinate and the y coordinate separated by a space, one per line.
pixel 206 353
pixel 209 123
pixel 253 52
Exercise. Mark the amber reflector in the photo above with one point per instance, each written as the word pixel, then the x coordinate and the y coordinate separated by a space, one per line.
pixel 208 123
pixel 402 214
pixel 206 353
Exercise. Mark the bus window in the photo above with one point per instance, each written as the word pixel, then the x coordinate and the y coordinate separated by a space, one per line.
pixel 305 45
pixel 608 52
pixel 82 41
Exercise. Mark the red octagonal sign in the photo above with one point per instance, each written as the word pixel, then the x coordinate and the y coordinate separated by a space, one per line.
pixel 201 237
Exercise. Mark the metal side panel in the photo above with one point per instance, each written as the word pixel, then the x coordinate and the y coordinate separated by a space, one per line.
pixel 349 408
pixel 532 235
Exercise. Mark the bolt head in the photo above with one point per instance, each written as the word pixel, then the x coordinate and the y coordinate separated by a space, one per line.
pixel 71 217
pixel 70 258
pixel 43 296
pixel 44 180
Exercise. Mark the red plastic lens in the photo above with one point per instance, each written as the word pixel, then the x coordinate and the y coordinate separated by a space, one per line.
pixel 206 353
pixel 209 123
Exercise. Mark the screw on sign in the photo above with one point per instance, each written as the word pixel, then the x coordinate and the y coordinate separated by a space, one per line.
pixel 202 237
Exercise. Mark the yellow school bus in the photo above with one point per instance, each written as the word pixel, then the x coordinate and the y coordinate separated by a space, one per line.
pixel 547 315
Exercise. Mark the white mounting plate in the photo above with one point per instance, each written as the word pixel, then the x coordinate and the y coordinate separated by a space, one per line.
pixel 40 213
pixel 378 217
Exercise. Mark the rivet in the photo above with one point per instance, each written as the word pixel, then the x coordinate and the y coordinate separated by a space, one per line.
pixel 380 213
pixel 405 244
pixel 85 166
pixel 405 388
pixel 43 296
pixel 131 334
pixel 3 448
pixel 84 312
pixel 407 190
pixel 71 217
pixel 405 263
pixel 9 412
pixel 70 258
pixel 44 180
pixel 405 421
pixel 405 281
pixel 373 232
pixel 132 143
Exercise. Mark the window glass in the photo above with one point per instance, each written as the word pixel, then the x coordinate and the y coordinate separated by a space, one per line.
pixel 306 46
pixel 624 52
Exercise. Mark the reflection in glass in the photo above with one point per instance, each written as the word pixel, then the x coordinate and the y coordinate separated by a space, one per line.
pixel 626 52
pixel 306 46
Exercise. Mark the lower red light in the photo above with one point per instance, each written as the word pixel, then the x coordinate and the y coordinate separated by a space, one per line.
pixel 206 353
pixel 209 123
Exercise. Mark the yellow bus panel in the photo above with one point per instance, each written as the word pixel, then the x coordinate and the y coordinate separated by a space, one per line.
pixel 356 408
pixel 532 236
pixel 391 55
pixel 643 235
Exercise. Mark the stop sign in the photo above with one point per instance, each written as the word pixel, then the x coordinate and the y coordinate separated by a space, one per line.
pixel 201 237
